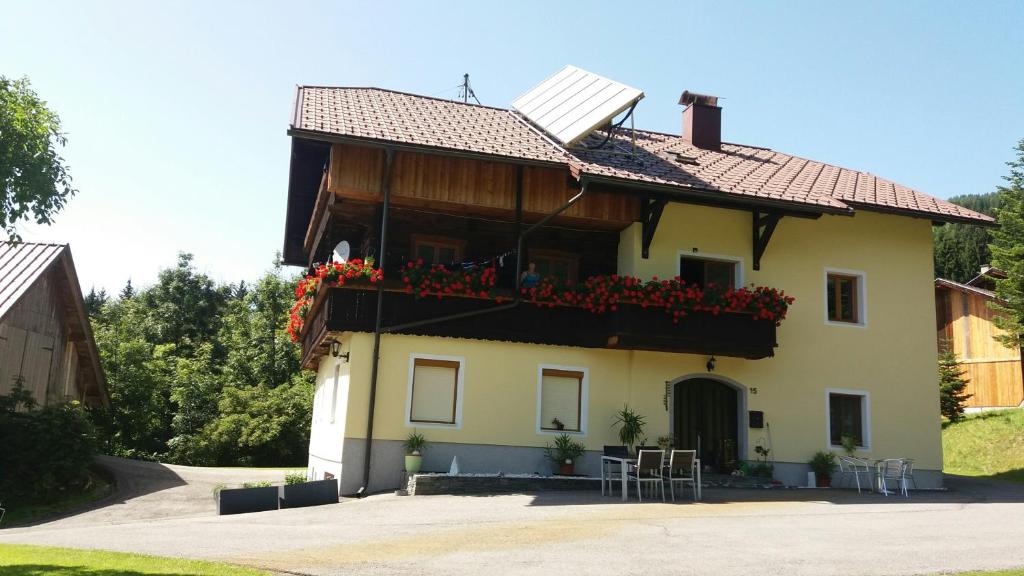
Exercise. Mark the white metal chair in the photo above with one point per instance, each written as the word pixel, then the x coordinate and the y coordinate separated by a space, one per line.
pixel 850 466
pixel 892 469
pixel 682 467
pixel 648 470
pixel 613 471
pixel 908 472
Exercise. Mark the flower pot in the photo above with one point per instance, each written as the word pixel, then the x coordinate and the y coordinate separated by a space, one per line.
pixel 823 480
pixel 413 463
pixel 566 469
pixel 312 493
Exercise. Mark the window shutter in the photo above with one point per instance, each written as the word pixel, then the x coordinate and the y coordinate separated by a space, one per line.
pixel 433 391
pixel 560 398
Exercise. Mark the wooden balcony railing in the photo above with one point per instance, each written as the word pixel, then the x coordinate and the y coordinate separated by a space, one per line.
pixel 629 327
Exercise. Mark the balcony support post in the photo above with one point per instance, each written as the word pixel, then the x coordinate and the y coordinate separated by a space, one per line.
pixel 650 215
pixel 385 186
pixel 763 228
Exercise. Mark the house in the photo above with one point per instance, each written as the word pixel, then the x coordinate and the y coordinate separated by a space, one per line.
pixel 500 199
pixel 46 342
pixel 964 324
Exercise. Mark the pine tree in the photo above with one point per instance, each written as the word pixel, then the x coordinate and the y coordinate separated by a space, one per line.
pixel 128 291
pixel 1008 254
pixel 952 386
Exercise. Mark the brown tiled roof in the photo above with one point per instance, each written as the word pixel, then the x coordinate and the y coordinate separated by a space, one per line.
pixel 389 116
pixel 736 171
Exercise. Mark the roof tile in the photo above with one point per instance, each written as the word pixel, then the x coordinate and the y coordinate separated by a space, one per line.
pixel 661 159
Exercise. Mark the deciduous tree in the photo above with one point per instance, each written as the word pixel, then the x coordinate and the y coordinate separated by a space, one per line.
pixel 34 180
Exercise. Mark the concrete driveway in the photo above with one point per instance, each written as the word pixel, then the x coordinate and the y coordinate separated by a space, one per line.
pixel 978 525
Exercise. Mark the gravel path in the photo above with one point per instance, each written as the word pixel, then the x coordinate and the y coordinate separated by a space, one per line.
pixel 977 525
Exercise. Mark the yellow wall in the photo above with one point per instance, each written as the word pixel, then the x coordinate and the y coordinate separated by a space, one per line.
pixel 893 357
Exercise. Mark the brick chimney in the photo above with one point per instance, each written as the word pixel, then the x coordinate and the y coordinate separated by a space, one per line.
pixel 702 120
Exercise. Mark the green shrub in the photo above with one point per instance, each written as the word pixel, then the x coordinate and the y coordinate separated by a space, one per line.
pixel 45 451
pixel 565 449
pixel 295 478
pixel 260 484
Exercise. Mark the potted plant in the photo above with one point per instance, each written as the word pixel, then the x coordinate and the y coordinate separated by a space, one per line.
pixel 564 453
pixel 822 463
pixel 414 444
pixel 666 442
pixel 631 426
pixel 849 444
pixel 298 491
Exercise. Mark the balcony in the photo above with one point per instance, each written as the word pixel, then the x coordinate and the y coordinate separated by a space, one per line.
pixel 630 327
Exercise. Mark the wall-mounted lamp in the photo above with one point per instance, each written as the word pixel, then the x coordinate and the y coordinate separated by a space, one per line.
pixel 336 350
pixel 711 364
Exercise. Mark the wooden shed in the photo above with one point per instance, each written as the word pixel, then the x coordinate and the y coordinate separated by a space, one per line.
pixel 964 322
pixel 46 342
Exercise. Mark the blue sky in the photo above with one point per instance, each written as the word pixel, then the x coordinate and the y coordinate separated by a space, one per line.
pixel 176 111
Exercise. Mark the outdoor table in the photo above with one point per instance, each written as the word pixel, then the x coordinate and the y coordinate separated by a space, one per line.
pixel 625 462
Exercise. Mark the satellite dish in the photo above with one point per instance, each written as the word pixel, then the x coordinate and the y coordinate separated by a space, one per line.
pixel 341 252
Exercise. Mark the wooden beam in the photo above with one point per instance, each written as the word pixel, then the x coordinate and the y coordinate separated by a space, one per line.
pixel 325 201
pixel 763 228
pixel 650 215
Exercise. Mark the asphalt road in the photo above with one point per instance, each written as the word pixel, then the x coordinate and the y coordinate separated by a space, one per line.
pixel 978 525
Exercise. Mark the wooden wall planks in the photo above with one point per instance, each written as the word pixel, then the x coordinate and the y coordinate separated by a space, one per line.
pixel 965 319
pixel 473 187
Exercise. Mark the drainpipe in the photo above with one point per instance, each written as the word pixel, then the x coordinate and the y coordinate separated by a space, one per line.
pixel 389 156
pixel 378 329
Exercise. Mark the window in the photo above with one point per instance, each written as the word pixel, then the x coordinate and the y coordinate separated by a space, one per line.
pixel 435 390
pixel 705 271
pixel 437 249
pixel 561 265
pixel 844 297
pixel 848 416
pixel 561 399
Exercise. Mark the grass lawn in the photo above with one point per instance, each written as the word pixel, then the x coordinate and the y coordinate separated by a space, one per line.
pixel 989 444
pixel 1014 572
pixel 18 560
pixel 21 513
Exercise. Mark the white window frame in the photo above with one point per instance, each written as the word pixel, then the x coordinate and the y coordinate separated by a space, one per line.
pixel 862 296
pixel 459 386
pixel 865 416
pixel 584 399
pixel 735 260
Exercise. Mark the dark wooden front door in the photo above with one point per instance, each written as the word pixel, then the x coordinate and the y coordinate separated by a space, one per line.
pixel 705 420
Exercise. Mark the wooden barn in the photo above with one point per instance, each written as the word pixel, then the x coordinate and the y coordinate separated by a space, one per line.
pixel 46 342
pixel 964 322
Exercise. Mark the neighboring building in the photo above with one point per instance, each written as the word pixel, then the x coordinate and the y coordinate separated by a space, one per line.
pixel 855 356
pixel 964 323
pixel 46 342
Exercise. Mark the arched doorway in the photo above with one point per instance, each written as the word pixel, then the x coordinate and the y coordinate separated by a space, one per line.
pixel 705 417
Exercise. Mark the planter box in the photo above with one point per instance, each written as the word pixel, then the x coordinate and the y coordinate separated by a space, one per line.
pixel 313 493
pixel 243 500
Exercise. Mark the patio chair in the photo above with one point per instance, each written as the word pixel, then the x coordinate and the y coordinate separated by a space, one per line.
pixel 892 469
pixel 682 467
pixel 908 471
pixel 648 470
pixel 613 471
pixel 850 466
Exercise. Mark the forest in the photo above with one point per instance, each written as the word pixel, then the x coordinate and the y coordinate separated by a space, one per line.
pixel 201 373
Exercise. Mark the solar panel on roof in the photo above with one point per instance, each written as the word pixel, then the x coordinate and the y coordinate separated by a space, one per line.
pixel 573 103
